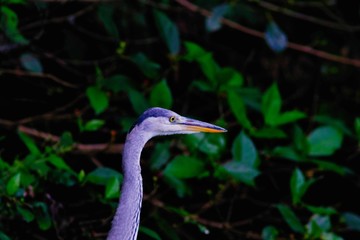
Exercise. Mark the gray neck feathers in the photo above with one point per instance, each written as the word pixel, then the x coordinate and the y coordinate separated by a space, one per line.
pixel 125 224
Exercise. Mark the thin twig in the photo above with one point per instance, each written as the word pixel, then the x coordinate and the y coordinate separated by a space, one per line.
pixel 295 46
pixel 20 73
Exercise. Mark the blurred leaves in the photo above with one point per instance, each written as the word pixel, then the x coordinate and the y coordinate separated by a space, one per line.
pixel 99 101
pixel 9 24
pixel 168 31
pixel 213 22
pixel 324 141
pixel 275 37
pixel 291 219
pixel 31 63
pixel 160 95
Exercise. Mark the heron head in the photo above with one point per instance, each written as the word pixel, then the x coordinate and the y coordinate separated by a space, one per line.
pixel 159 121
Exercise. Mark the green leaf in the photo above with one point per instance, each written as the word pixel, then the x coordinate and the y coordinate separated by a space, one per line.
pixel 42 216
pixel 93 125
pixel 268 132
pixel 138 101
pixel 291 219
pixel 352 221
pixel 9 24
pixel 59 163
pixel 210 144
pixel 112 189
pixel 105 13
pixel 31 63
pixel 213 21
pixel 193 51
pixel 103 175
pixel 288 153
pixel 81 175
pixel 26 214
pixel 324 141
pixel 160 95
pixel 241 172
pixel 300 141
pixel 3 236
pixel 149 68
pixel 321 210
pixel 209 67
pixel 288 117
pixel 357 127
pixel 330 236
pixel 184 167
pixel 13 184
pixel 269 233
pixel 243 150
pixel 271 104
pixel 297 185
pixel 66 139
pixel 237 107
pixel 30 144
pixel 318 225
pixel 329 166
pixel 203 86
pixel 160 156
pixel 229 79
pixel 178 184
pixel 117 83
pixel 168 31
pixel 99 101
pixel 149 232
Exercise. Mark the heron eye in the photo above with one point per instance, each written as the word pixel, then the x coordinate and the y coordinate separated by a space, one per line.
pixel 172 119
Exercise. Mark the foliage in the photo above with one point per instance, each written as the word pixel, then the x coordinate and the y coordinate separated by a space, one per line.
pixel 75 76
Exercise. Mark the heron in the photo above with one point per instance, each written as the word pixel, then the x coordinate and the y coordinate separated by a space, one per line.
pixel 153 122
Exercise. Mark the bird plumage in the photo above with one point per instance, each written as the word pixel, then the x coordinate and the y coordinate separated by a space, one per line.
pixel 153 122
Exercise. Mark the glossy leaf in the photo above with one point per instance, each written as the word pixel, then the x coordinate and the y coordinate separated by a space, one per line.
pixel 317 226
pixel 290 218
pixel 241 172
pixel 59 163
pixel 160 95
pixel 168 31
pixel 209 67
pixel 160 156
pixel 31 63
pixel 352 221
pixel 213 21
pixel 321 210
pixel 30 144
pixel 269 233
pixel 149 232
pixel 324 141
pixel 288 153
pixel 103 175
pixel 288 117
pixel 148 67
pixel 9 24
pixel 238 108
pixel 138 101
pixel 193 51
pixel 112 189
pixel 271 104
pixel 184 167
pixel 105 13
pixel 99 100
pixel 93 125
pixel 275 37
pixel 13 184
pixel 297 185
pixel 26 214
pixel 3 236
pixel 244 151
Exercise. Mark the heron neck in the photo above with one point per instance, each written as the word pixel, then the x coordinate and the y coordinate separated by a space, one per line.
pixel 126 221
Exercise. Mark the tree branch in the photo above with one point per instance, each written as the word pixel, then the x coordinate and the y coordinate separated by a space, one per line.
pixel 291 45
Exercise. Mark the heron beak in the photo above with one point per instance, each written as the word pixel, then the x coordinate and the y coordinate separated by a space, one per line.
pixel 199 126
